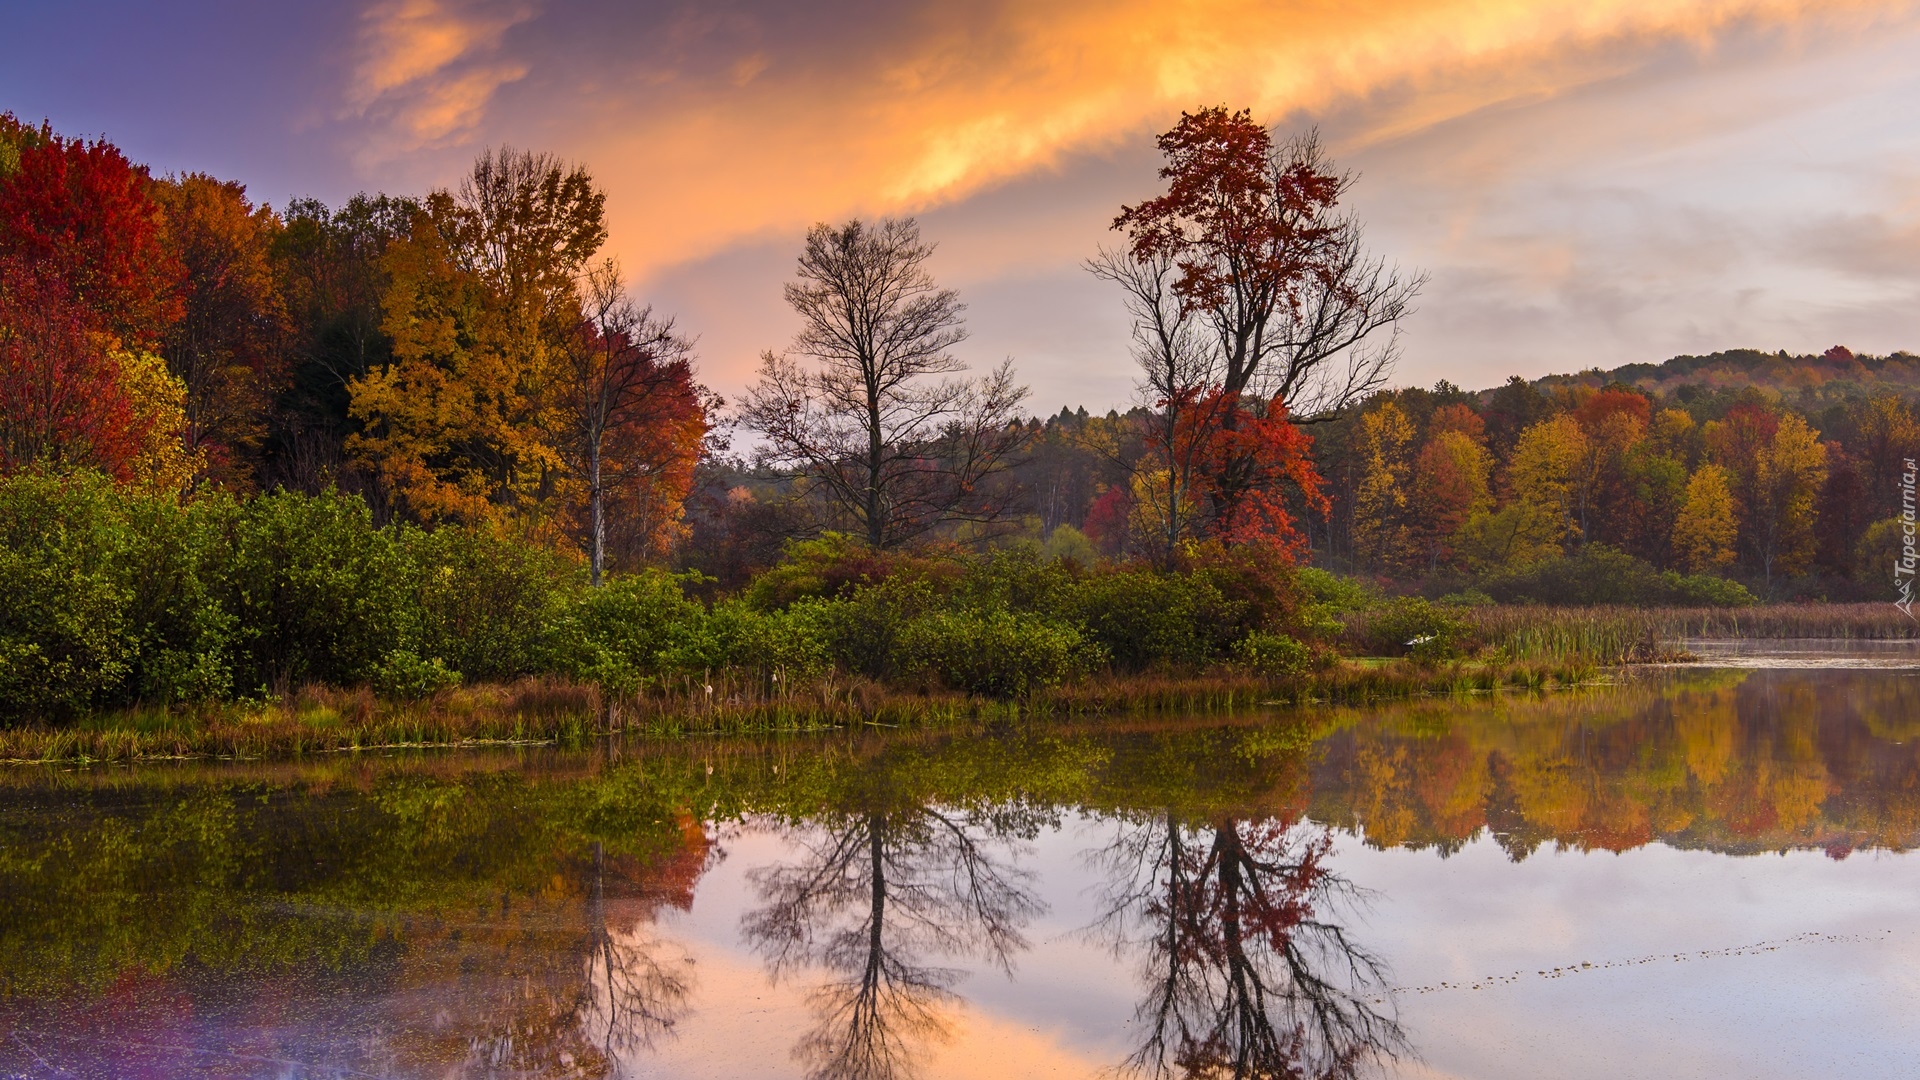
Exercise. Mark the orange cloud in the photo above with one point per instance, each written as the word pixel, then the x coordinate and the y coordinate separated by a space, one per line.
pixel 424 69
pixel 968 101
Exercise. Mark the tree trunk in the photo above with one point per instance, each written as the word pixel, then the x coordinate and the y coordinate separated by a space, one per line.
pixel 876 451
pixel 596 499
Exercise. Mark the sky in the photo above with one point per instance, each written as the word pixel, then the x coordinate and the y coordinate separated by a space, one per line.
pixel 1585 184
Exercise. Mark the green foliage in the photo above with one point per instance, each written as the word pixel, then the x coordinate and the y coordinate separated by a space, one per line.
pixel 65 639
pixel 319 593
pixel 1413 626
pixel 632 630
pixel 834 565
pixel 1706 590
pixel 183 632
pixel 1338 593
pixel 996 653
pixel 1597 574
pixel 1327 596
pixel 403 674
pixel 1144 619
pixel 488 602
pixel 1273 655
pixel 1066 543
pixel 111 596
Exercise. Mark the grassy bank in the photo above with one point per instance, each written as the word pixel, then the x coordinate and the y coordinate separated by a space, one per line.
pixel 318 720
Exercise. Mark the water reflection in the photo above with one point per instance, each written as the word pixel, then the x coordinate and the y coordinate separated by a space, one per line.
pixel 875 898
pixel 527 915
pixel 1247 970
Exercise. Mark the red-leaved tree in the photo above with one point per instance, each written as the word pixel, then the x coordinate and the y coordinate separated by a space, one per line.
pixel 60 399
pixel 80 211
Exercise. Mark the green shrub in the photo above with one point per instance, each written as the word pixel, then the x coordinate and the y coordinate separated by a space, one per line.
pixel 790 644
pixel 65 638
pixel 1337 593
pixel 1412 626
pixel 863 630
pixel 488 603
pixel 1705 590
pixel 182 632
pixel 1598 574
pixel 317 592
pixel 403 674
pixel 1068 544
pixel 995 653
pixel 1327 596
pixel 834 566
pixel 1019 578
pixel 1143 619
pixel 1272 655
pixel 631 630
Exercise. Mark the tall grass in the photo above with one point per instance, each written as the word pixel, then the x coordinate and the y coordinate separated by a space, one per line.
pixel 1617 635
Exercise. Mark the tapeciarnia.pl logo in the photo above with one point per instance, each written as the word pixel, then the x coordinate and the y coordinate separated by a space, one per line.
pixel 1904 566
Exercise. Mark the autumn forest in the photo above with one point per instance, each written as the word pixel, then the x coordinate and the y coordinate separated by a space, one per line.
pixel 424 441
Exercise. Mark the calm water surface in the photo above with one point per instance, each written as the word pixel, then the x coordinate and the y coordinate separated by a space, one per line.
pixel 1699 872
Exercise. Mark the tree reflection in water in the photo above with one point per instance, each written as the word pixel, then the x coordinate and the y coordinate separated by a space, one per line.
pixel 612 986
pixel 1247 973
pixel 874 899
pixel 637 983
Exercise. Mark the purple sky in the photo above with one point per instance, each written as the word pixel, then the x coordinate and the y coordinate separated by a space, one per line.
pixel 1587 184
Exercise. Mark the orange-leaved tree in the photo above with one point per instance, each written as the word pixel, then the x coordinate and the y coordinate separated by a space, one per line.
pixel 227 347
pixel 1776 464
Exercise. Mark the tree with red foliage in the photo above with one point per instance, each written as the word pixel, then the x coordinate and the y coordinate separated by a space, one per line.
pixel 1252 467
pixel 632 417
pixel 1246 245
pixel 80 211
pixel 60 401
pixel 1281 281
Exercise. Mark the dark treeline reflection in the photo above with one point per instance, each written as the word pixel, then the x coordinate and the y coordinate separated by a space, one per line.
pixel 510 914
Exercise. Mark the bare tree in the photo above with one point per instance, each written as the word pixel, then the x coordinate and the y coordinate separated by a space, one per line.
pixel 872 426
pixel 619 359
pixel 1177 368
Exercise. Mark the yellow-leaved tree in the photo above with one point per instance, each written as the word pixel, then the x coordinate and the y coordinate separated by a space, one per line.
pixel 481 308
pixel 1384 443
pixel 1704 533
pixel 1538 517
pixel 163 463
pixel 1775 463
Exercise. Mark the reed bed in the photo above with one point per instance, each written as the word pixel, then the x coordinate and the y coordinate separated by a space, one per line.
pixel 319 720
pixel 1622 635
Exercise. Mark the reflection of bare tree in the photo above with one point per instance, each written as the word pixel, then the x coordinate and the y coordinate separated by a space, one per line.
pixel 1248 976
pixel 590 984
pixel 637 985
pixel 873 899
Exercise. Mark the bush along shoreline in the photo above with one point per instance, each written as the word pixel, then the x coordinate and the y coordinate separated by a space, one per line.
pixel 143 626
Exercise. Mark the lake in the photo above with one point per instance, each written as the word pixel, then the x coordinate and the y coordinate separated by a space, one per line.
pixel 1695 871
